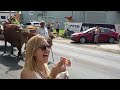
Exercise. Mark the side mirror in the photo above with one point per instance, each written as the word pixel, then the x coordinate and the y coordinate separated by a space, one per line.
pixel 89 32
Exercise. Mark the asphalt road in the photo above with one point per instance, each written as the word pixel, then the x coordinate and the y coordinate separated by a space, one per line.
pixel 86 63
pixel 89 63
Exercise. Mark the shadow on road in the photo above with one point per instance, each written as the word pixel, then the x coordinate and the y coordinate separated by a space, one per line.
pixel 10 61
pixel 8 48
pixel 15 51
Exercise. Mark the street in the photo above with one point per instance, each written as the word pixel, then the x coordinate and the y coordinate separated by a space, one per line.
pixel 89 63
pixel 86 63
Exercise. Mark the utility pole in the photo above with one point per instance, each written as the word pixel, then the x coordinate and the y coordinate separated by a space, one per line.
pixel 84 16
pixel 43 15
pixel 79 16
pixel 10 13
pixel 106 17
pixel 72 13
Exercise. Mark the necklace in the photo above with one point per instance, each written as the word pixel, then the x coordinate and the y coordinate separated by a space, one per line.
pixel 40 73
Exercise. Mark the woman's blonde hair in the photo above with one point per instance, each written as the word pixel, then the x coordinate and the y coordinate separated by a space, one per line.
pixel 31 46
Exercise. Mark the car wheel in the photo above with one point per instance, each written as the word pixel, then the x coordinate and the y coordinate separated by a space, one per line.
pixel 111 40
pixel 82 40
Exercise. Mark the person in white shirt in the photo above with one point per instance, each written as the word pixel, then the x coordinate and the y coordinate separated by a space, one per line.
pixel 43 30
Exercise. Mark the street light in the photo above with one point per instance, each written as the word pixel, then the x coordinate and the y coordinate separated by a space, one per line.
pixel 72 13
pixel 84 16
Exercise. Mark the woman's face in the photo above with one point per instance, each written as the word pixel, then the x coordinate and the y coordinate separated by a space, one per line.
pixel 42 53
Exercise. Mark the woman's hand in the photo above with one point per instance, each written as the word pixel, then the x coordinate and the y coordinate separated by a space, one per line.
pixel 58 68
pixel 66 75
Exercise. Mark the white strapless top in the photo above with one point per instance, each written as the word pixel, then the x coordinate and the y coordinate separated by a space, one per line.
pixel 59 76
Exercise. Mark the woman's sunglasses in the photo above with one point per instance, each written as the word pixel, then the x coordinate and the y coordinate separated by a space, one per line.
pixel 44 47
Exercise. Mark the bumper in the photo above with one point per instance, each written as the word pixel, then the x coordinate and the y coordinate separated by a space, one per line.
pixel 74 38
pixel 118 38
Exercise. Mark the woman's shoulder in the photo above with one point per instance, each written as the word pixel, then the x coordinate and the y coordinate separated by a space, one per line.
pixel 27 74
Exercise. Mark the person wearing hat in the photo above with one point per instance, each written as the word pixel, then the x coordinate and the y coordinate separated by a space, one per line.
pixel 43 29
pixel 44 32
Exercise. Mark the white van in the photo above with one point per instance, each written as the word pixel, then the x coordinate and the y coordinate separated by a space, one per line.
pixel 79 27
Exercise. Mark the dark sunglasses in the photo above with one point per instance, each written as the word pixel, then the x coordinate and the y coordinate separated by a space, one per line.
pixel 44 47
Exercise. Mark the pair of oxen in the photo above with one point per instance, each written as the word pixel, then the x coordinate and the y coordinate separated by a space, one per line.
pixel 17 36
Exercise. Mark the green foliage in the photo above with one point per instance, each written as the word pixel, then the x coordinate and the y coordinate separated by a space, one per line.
pixel 60 32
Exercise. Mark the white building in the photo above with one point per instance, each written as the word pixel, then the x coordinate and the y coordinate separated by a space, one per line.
pixel 4 15
pixel 109 17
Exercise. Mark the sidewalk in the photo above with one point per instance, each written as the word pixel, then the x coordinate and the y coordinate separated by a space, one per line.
pixel 115 48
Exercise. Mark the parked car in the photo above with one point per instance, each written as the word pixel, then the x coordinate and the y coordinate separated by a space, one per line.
pixel 106 35
pixel 33 22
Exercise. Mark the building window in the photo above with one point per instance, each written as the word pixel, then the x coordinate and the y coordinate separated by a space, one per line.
pixel 3 17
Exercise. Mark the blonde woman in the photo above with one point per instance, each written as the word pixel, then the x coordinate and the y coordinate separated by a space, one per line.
pixel 36 59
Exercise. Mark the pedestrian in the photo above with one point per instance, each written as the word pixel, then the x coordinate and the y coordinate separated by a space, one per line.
pixel 52 26
pixel 93 34
pixel 13 20
pixel 48 26
pixel 44 31
pixel 50 31
pixel 36 61
pixel 57 28
pixel 96 36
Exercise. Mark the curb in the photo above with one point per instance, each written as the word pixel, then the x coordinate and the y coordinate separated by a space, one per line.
pixel 92 47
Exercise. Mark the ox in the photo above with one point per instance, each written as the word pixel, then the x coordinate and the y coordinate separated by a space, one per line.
pixel 1 33
pixel 15 36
